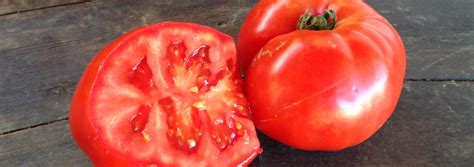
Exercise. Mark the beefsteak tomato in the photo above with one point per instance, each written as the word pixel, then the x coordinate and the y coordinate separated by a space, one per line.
pixel 168 94
pixel 326 75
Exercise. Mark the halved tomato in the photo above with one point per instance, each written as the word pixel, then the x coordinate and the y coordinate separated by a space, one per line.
pixel 166 94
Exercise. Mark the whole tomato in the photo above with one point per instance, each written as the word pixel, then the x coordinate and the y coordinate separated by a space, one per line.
pixel 326 75
pixel 168 94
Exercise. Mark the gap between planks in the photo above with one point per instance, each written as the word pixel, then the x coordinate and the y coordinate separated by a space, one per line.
pixel 439 80
pixel 34 126
pixel 46 7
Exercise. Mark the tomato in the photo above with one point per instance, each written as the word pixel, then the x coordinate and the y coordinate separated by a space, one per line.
pixel 168 94
pixel 329 84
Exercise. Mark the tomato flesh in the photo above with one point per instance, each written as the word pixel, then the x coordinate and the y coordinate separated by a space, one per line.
pixel 168 95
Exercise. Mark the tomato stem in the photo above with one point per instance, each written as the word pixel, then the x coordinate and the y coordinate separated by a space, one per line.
pixel 309 21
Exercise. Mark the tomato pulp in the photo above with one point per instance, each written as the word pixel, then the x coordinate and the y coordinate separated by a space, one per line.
pixel 320 87
pixel 166 94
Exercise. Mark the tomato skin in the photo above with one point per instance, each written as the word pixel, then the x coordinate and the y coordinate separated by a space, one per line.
pixel 270 18
pixel 87 135
pixel 82 130
pixel 324 90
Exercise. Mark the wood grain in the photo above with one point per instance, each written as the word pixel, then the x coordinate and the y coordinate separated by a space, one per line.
pixel 49 145
pixel 18 6
pixel 40 65
pixel 43 52
pixel 45 48
pixel 431 126
pixel 438 36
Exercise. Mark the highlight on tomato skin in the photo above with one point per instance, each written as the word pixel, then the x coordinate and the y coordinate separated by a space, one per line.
pixel 167 95
pixel 322 75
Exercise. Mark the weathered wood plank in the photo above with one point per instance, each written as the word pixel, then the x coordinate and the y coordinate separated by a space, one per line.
pixel 432 126
pixel 16 6
pixel 43 53
pixel 49 145
pixel 438 36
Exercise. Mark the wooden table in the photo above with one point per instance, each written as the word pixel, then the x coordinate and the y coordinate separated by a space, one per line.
pixel 45 45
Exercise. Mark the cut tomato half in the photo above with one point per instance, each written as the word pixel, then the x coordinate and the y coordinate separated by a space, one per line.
pixel 167 94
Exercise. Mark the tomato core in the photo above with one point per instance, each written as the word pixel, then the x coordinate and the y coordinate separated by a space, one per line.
pixel 184 120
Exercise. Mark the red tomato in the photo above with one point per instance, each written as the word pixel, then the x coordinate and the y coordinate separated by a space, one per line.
pixel 168 94
pixel 320 89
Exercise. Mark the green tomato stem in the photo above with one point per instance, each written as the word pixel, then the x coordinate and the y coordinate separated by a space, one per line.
pixel 326 21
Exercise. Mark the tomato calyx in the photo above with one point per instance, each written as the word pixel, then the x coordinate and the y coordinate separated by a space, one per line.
pixel 309 21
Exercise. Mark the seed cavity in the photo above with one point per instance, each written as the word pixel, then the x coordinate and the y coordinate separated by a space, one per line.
pixel 141 76
pixel 139 120
pixel 176 51
pixel 238 106
pixel 225 132
pixel 167 104
pixel 199 57
pixel 184 128
pixel 230 65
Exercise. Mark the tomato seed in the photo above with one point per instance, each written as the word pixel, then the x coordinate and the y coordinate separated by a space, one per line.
pixel 238 126
pixel 218 121
pixel 146 136
pixel 225 132
pixel 191 143
pixel 184 127
pixel 194 89
pixel 199 105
